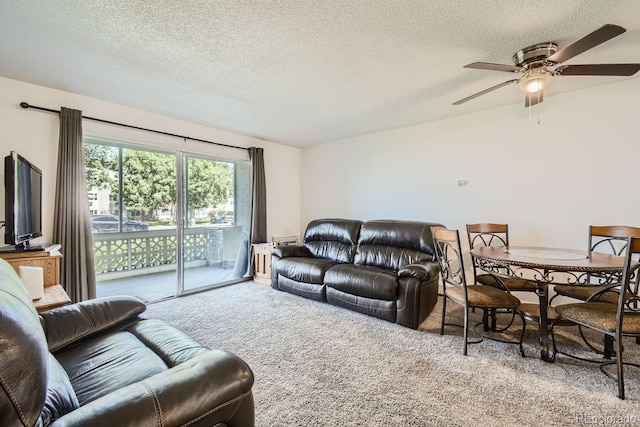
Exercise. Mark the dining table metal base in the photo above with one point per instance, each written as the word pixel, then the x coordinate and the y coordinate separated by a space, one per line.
pixel 531 312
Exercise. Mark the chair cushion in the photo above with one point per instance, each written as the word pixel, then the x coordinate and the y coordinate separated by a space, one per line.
pixel 583 292
pixel 105 363
pixel 306 270
pixel 511 283
pixel 369 282
pixel 483 297
pixel 599 315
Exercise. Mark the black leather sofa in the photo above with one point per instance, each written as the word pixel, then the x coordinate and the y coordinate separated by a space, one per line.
pixel 382 268
pixel 97 363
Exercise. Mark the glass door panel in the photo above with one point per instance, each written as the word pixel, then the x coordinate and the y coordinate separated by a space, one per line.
pixel 132 201
pixel 215 216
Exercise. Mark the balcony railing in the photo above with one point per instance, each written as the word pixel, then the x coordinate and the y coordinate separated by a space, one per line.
pixel 140 251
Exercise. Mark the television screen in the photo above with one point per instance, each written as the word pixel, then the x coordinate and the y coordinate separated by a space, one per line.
pixel 23 201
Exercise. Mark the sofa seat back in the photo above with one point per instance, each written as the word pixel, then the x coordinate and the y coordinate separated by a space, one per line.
pixel 332 239
pixel 391 244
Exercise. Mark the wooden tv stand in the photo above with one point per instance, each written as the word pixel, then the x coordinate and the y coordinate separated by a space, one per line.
pixel 49 260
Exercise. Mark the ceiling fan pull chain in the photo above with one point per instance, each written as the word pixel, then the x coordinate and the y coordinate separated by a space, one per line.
pixel 531 107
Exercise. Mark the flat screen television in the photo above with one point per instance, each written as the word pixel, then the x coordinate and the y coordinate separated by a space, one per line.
pixel 23 202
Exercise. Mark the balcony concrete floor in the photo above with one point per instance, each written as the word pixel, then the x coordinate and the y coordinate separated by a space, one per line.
pixel 156 286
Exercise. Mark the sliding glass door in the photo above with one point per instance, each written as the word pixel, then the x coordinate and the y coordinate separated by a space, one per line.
pixel 165 222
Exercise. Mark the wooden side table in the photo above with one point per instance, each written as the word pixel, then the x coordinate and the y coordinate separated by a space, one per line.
pixel 54 297
pixel 262 263
pixel 49 261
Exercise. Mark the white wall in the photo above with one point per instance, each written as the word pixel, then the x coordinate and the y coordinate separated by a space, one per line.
pixel 34 135
pixel 548 181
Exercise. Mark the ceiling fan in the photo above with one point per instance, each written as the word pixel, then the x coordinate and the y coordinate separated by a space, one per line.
pixel 534 63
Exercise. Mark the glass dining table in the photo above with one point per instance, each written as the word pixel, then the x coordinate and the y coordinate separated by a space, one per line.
pixel 548 266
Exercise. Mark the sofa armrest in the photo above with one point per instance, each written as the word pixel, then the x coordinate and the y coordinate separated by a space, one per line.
pixel 71 323
pixel 417 293
pixel 291 251
pixel 213 388
pixel 423 271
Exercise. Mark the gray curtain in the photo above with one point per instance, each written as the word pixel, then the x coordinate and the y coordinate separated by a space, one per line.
pixel 258 233
pixel 71 220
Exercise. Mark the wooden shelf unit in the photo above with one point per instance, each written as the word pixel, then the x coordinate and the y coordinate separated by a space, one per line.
pixel 262 263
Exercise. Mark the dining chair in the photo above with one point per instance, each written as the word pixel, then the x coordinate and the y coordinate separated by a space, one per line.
pixel 449 257
pixel 488 234
pixel 613 320
pixel 601 239
pixel 494 235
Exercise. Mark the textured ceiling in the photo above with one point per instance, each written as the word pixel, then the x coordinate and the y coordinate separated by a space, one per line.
pixel 299 72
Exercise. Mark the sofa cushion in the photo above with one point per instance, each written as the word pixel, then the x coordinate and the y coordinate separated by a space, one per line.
pixel 369 282
pixel 393 244
pixel 333 239
pixel 307 270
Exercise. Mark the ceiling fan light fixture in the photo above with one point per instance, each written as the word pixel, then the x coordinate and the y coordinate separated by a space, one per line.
pixel 535 80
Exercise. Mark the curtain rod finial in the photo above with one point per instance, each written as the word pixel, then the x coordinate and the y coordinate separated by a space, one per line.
pixel 25 104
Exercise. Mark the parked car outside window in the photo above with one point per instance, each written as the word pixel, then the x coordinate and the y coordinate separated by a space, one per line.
pixel 223 218
pixel 109 224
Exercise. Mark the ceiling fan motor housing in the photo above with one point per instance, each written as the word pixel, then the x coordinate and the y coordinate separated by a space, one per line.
pixel 536 53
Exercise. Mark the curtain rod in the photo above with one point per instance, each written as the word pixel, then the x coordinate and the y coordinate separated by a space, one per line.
pixel 109 122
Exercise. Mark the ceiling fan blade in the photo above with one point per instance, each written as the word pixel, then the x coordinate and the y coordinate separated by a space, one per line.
pixel 495 67
pixel 598 70
pixel 475 95
pixel 531 99
pixel 601 35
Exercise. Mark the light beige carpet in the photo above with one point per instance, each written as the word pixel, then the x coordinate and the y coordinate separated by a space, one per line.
pixel 320 365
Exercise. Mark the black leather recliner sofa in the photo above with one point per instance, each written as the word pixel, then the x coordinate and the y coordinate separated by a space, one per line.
pixel 97 363
pixel 382 268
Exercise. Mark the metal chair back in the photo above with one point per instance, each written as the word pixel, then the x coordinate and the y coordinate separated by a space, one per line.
pixel 449 257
